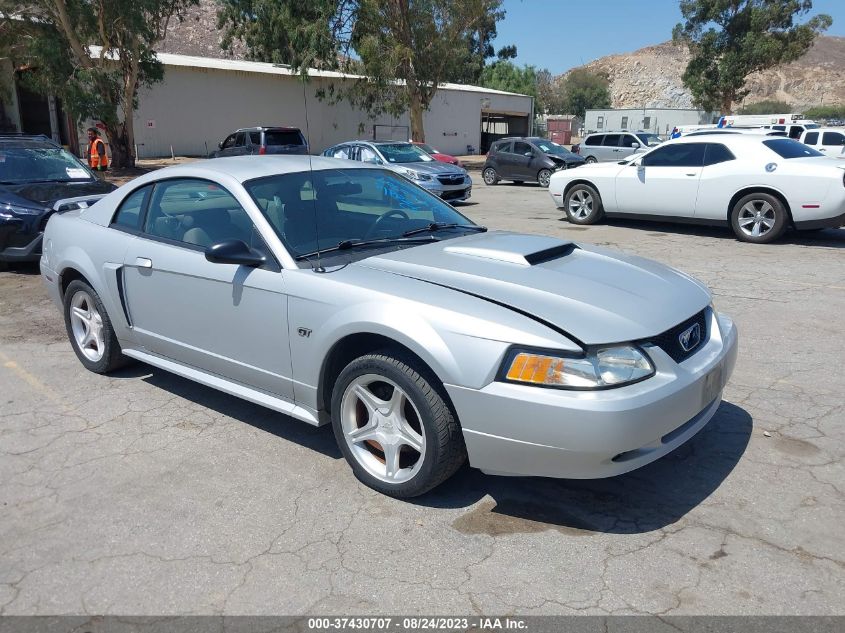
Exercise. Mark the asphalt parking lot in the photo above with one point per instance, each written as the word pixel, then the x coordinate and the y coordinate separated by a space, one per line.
pixel 143 493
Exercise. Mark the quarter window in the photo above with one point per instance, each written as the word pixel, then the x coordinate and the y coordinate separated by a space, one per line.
pixel 833 138
pixel 229 142
pixel 680 155
pixel 199 213
pixel 717 153
pixel 129 213
pixel 596 139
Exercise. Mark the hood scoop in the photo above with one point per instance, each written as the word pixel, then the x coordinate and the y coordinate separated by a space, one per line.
pixel 525 252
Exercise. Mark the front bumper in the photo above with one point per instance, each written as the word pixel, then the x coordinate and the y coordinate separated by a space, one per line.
pixel 523 430
pixel 18 242
pixel 459 192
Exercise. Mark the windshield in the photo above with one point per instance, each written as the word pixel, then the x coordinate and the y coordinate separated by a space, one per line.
pixel 427 148
pixel 790 148
pixel 650 140
pixel 404 153
pixel 20 165
pixel 317 210
pixel 550 147
pixel 812 126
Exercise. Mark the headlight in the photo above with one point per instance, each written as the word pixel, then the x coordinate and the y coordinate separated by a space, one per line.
pixel 598 369
pixel 16 210
pixel 415 175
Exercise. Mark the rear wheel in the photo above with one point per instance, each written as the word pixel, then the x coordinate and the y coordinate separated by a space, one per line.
pixel 490 176
pixel 90 330
pixel 590 159
pixel 394 426
pixel 759 218
pixel 543 177
pixel 583 205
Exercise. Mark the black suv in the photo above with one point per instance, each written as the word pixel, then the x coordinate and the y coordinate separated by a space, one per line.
pixel 38 178
pixel 263 140
pixel 527 160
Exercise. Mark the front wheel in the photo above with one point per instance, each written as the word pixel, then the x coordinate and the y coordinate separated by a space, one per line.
pixel 90 330
pixel 490 176
pixel 543 177
pixel 394 426
pixel 759 218
pixel 583 205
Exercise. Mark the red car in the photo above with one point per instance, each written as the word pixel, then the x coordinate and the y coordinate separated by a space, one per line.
pixel 443 158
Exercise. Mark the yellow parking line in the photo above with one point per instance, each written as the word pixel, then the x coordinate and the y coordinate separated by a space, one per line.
pixel 31 380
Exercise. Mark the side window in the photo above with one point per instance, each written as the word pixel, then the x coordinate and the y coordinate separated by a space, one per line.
pixel 611 140
pixel 628 140
pixel 341 152
pixel 812 138
pixel 505 147
pixel 717 153
pixel 197 212
pixel 833 138
pixel 229 142
pixel 130 210
pixel 796 131
pixel 240 139
pixel 596 139
pixel 521 148
pixel 680 155
pixel 367 155
pixel 255 138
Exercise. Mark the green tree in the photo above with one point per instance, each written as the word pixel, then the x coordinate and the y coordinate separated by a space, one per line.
pixel 583 90
pixel 730 39
pixel 767 107
pixel 507 76
pixel 404 48
pixel 826 112
pixel 94 55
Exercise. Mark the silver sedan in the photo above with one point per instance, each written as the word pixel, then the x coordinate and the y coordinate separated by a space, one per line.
pixel 344 294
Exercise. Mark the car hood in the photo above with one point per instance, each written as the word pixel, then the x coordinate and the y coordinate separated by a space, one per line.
pixel 44 194
pixel 595 295
pixel 435 167
pixel 445 158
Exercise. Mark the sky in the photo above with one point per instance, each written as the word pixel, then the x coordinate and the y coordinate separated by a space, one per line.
pixel 562 34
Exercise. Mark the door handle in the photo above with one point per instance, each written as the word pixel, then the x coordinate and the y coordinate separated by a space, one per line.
pixel 143 262
pixel 695 173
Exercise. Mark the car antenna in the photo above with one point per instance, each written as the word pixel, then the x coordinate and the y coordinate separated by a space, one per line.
pixel 319 268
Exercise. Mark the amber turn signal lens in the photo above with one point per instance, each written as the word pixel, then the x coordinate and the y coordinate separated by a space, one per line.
pixel 531 368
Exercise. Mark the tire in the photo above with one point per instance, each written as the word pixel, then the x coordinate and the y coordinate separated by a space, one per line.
pixel 543 177
pixel 423 434
pixel 590 159
pixel 490 176
pixel 582 205
pixel 83 309
pixel 759 218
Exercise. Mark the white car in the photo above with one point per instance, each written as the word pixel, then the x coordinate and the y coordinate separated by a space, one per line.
pixel 829 140
pixel 759 185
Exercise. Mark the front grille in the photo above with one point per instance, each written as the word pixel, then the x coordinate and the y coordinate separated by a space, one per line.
pixel 670 343
pixel 451 179
pixel 457 194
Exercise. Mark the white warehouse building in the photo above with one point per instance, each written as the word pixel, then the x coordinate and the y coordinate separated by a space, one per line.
pixel 655 120
pixel 201 100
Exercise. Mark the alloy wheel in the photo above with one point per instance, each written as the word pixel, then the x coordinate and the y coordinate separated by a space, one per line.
pixel 489 176
pixel 87 326
pixel 581 204
pixel 382 428
pixel 756 218
pixel 544 177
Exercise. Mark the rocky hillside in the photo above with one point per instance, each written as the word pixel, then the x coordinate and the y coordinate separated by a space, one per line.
pixel 651 77
pixel 196 34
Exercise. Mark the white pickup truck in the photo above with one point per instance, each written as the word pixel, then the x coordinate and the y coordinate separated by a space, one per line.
pixel 828 140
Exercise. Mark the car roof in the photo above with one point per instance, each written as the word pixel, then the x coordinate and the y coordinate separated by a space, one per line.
pixel 28 140
pixel 268 127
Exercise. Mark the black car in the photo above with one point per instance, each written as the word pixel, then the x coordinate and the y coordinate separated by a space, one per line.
pixel 37 179
pixel 263 140
pixel 527 160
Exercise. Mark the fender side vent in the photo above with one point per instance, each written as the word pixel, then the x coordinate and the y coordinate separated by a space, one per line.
pixel 547 255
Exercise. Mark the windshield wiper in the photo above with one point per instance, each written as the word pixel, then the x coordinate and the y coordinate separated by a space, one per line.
pixel 347 244
pixel 440 226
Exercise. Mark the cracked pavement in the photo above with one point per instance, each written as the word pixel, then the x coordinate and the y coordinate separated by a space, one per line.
pixel 143 493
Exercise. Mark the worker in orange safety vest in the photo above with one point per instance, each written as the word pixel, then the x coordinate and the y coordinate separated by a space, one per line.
pixel 97 159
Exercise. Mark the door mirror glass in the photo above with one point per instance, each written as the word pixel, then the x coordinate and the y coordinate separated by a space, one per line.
pixel 234 252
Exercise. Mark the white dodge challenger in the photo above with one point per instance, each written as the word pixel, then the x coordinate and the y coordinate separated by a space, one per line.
pixel 759 185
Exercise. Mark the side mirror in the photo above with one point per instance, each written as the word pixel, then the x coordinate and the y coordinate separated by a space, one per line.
pixel 529 154
pixel 220 145
pixel 234 252
pixel 635 145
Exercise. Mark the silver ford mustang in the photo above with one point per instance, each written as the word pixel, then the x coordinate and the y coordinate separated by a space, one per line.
pixel 345 294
